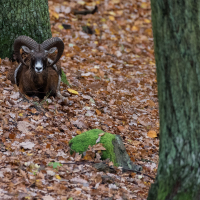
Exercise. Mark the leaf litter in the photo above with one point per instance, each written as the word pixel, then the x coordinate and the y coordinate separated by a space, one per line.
pixel 112 76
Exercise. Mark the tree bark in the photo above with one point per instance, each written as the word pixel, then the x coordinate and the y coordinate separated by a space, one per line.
pixel 176 29
pixel 22 17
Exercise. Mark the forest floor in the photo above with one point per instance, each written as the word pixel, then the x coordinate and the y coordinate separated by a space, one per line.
pixel 109 63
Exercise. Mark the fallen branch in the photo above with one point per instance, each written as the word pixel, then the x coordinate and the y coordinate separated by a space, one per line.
pixel 106 166
pixel 131 170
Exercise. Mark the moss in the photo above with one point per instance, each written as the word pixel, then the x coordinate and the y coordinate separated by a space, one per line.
pixel 81 142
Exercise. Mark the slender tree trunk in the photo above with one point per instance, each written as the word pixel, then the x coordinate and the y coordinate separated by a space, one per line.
pixel 22 17
pixel 176 28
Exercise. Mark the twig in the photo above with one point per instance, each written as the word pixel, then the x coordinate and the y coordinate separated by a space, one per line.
pixel 111 55
pixel 133 170
pixel 46 97
pixel 38 107
pixel 80 163
pixel 123 169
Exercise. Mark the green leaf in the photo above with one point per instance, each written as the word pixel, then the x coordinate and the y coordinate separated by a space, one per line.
pixel 55 164
pixel 122 48
pixel 96 77
pixel 70 198
pixel 64 78
pixel 92 101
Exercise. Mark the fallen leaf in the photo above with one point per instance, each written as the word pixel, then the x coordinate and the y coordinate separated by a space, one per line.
pixel 15 95
pixel 144 120
pixel 77 157
pixel 98 112
pixel 27 145
pixel 147 21
pixel 121 129
pixel 81 2
pixel 23 173
pixel 112 18
pixel 101 134
pixel 98 147
pixel 134 28
pixel 56 15
pixel 118 53
pixel 12 136
pixel 97 31
pixel 72 91
pixel 50 172
pixel 67 10
pixel 89 154
pixel 151 103
pixel 120 12
pixel 78 181
pixel 78 132
pixel 152 134
pixel 40 175
pixel 148 31
pixel 23 126
pixel 116 1
pixel 112 13
pixel 144 5
pixel 39 128
pixel 60 27
pixel 47 198
pixel 98 140
pixel 57 176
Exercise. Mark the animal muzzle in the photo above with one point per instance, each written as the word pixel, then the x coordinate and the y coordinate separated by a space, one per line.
pixel 38 67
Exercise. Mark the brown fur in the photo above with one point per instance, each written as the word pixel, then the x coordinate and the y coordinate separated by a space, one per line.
pixel 10 75
pixel 33 84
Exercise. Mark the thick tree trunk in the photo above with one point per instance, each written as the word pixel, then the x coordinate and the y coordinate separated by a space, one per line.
pixel 176 28
pixel 22 17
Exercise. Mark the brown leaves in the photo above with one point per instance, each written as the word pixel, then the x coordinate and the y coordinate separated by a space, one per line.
pixel 23 126
pixel 91 152
pixel 113 88
pixel 121 129
pixel 151 103
pixel 98 147
pixel 144 120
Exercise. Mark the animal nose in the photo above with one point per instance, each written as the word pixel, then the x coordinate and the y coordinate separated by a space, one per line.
pixel 38 68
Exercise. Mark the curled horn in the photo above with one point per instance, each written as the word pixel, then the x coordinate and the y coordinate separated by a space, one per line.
pixel 24 41
pixel 54 42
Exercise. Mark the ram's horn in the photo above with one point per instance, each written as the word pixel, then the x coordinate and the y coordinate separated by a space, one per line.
pixel 54 42
pixel 24 41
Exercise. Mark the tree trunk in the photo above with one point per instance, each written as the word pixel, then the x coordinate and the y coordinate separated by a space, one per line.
pixel 22 17
pixel 176 28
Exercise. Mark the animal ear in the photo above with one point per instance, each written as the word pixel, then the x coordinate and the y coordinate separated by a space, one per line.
pixel 26 49
pixel 52 50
